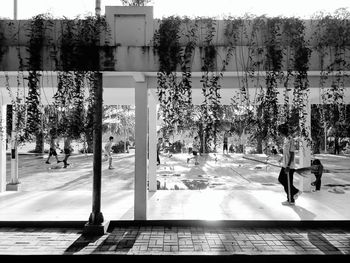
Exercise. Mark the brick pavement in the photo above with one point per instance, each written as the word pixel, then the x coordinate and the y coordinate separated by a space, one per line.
pixel 176 240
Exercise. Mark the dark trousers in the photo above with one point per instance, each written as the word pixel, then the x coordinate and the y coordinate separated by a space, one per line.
pixel 158 159
pixel 289 188
pixel 317 183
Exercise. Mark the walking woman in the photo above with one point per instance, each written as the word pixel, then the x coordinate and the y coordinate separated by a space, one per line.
pixel 288 166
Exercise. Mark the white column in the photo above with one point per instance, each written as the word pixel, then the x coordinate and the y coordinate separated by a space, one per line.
pixel 2 146
pixel 152 139
pixel 304 149
pixel 141 130
pixel 305 153
pixel 14 184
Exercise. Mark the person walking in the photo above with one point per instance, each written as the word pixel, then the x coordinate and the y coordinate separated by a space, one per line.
pixel 67 148
pixel 159 145
pixel 195 150
pixel 108 152
pixel 225 148
pixel 52 151
pixel 317 170
pixel 288 165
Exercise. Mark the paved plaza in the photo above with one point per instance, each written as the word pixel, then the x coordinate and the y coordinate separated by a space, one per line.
pixel 180 243
pixel 236 201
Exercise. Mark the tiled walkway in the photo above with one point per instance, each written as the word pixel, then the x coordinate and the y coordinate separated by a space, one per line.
pixel 177 240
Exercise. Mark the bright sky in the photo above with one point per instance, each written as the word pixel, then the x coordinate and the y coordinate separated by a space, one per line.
pixel 165 8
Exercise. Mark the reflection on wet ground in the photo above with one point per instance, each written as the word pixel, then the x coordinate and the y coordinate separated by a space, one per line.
pixel 215 172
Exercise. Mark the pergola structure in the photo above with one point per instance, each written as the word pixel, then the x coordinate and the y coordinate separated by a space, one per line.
pixel 133 81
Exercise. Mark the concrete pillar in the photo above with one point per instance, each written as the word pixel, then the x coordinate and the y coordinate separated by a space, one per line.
pixel 15 9
pixel 14 184
pixel 152 140
pixel 305 153
pixel 141 130
pixel 97 225
pixel 2 146
pixel 98 7
pixel 304 148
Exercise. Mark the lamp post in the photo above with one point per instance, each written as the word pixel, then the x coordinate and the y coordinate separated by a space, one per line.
pixel 15 9
pixel 97 225
pixel 98 7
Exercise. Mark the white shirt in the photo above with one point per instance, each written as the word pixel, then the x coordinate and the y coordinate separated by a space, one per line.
pixel 108 148
pixel 288 147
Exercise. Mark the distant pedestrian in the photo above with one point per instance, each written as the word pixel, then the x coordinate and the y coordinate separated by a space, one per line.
pixel 108 151
pixel 67 148
pixel 317 170
pixel 225 147
pixel 195 150
pixel 52 152
pixel 273 150
pixel 288 166
pixel 159 146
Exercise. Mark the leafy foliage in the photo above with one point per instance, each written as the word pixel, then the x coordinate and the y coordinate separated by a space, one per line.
pixel 175 96
pixel 332 44
pixel 35 48
pixel 135 2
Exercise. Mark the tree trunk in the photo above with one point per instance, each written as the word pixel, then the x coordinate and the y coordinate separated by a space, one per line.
pixel 259 146
pixel 316 146
pixel 336 144
pixel 39 143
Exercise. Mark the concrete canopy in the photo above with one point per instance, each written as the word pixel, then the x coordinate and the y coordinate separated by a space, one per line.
pixel 131 78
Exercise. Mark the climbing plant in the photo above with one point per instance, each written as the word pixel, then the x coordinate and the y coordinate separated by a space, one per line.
pixel 274 74
pixel 170 93
pixel 294 32
pixel 244 34
pixel 332 44
pixel 210 107
pixel 76 77
pixel 2 42
pixel 135 2
pixel 36 34
pixel 276 46
pixel 190 34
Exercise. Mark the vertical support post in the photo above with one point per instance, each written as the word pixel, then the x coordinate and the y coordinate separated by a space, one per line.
pixel 152 147
pixel 141 130
pixel 2 146
pixel 15 9
pixel 305 152
pixel 14 184
pixel 96 224
pixel 98 7
pixel 304 148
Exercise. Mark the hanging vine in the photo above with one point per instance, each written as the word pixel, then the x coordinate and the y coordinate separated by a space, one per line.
pixel 274 74
pixel 210 107
pixel 167 46
pixel 78 38
pixel 2 42
pixel 332 45
pixel 244 35
pixel 190 34
pixel 272 45
pixel 18 106
pixel 294 30
pixel 35 62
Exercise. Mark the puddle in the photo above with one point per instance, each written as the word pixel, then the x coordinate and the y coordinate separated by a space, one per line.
pixel 196 184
